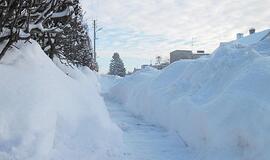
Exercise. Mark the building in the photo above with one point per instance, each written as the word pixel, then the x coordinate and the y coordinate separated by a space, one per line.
pixel 185 54
pixel 253 37
pixel 145 66
pixel 180 54
pixel 161 65
pixel 239 35
pixel 135 70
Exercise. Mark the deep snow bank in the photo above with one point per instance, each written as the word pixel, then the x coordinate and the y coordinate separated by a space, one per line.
pixel 46 113
pixel 219 106
pixel 108 81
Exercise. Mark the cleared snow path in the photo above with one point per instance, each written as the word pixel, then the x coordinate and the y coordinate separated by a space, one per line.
pixel 144 141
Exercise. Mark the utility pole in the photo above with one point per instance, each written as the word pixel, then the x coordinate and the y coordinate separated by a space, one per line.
pixel 192 44
pixel 95 38
pixel 95 55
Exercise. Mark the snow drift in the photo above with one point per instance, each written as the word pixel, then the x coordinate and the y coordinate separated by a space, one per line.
pixel 48 114
pixel 219 105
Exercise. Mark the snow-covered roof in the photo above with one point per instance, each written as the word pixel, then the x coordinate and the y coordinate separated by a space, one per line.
pixel 253 38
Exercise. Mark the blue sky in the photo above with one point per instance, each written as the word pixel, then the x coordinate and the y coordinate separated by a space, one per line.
pixel 140 30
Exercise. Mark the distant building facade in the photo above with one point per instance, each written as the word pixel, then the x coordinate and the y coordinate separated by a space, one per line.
pixel 145 66
pixel 160 66
pixel 185 54
pixel 239 35
pixel 157 66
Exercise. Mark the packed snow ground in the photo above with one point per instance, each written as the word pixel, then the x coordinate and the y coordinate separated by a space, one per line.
pixel 145 141
pixel 52 114
pixel 219 105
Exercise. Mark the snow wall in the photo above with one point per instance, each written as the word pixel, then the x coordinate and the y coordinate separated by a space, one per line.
pixel 47 113
pixel 217 105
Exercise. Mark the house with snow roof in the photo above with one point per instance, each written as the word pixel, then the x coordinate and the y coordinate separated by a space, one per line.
pixel 252 38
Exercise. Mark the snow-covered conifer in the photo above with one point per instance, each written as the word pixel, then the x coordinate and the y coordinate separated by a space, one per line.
pixel 117 66
pixel 25 19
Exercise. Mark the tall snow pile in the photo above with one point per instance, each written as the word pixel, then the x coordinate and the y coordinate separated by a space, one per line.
pixel 109 80
pixel 49 114
pixel 218 106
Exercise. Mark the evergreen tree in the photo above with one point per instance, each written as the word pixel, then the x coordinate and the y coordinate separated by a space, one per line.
pixel 57 25
pixel 74 44
pixel 25 19
pixel 117 66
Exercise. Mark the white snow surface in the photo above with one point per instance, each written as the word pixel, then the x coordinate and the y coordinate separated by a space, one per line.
pixel 219 105
pixel 253 38
pixel 52 114
pixel 145 141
